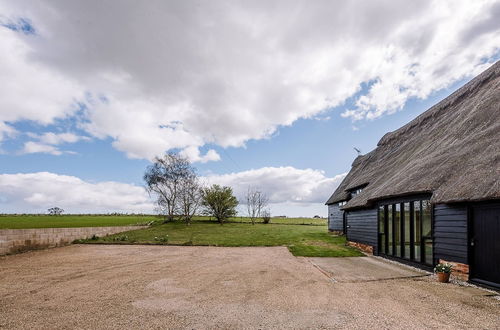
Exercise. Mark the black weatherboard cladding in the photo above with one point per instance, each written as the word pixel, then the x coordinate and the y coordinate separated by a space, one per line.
pixel 362 227
pixel 450 232
pixel 335 220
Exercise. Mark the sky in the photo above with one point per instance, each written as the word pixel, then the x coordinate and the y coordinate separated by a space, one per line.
pixel 273 95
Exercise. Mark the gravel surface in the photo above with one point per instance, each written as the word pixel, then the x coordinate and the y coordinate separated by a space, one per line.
pixel 111 287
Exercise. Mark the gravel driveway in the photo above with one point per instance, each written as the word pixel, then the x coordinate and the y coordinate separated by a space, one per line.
pixel 95 286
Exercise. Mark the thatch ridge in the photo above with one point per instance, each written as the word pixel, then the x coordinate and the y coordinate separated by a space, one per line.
pixel 452 151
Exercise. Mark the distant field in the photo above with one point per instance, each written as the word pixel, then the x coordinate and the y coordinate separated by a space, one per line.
pixel 68 221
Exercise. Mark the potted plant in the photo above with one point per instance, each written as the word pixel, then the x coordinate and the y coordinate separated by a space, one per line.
pixel 443 271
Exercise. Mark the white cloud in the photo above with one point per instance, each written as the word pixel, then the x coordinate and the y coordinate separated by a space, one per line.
pixel 292 191
pixel 6 131
pixel 35 192
pixel 59 138
pixel 47 142
pixel 160 75
pixel 193 153
pixel 31 90
pixel 32 147
pixel 281 184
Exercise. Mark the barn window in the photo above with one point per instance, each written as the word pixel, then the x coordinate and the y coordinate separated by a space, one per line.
pixel 405 231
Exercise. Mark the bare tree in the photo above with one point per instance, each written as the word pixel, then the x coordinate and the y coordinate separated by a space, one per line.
pixel 55 210
pixel 256 202
pixel 164 180
pixel 190 195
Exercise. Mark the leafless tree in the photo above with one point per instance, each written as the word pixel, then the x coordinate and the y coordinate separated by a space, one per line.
pixel 55 210
pixel 256 202
pixel 190 196
pixel 164 179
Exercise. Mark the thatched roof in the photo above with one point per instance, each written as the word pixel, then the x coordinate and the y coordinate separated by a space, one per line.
pixel 452 151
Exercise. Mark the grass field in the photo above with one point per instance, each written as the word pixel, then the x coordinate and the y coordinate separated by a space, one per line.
pixel 302 236
pixel 71 221
pixel 309 240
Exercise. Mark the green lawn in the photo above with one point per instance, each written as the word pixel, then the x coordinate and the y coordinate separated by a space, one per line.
pixel 67 221
pixel 313 241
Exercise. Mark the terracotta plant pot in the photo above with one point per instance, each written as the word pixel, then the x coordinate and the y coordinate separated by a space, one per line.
pixel 443 277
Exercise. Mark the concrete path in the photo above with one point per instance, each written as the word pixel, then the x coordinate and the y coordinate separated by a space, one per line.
pixel 364 269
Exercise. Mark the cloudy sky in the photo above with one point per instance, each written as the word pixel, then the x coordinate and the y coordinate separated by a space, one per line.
pixel 268 94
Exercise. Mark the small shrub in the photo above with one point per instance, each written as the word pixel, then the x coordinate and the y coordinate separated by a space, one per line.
pixel 266 216
pixel 443 268
pixel 94 237
pixel 162 239
pixel 121 238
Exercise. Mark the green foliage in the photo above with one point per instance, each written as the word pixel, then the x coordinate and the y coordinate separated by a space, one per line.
pixel 266 216
pixel 162 239
pixel 219 202
pixel 120 238
pixel 443 268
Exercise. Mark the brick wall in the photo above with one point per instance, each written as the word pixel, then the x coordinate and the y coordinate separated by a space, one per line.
pixel 19 240
pixel 460 271
pixel 363 247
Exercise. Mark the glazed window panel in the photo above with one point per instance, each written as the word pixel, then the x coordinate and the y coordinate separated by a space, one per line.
pixel 406 234
pixel 417 231
pixel 405 231
pixel 427 231
pixel 426 219
pixel 381 229
pixel 389 229
pixel 397 229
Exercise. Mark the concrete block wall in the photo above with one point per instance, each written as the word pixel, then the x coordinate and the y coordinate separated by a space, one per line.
pixel 20 240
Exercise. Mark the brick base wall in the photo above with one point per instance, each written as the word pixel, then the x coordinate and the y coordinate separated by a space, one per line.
pixel 336 232
pixel 459 271
pixel 363 247
pixel 20 240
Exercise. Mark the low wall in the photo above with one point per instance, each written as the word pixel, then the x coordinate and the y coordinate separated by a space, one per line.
pixel 368 249
pixel 20 240
pixel 460 271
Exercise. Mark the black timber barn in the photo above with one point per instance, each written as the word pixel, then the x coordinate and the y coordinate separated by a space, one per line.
pixel 430 191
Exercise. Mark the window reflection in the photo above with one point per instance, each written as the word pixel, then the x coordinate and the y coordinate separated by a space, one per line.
pixel 397 229
pixel 405 230
pixel 418 229
pixel 381 229
pixel 406 237
pixel 427 231
pixel 389 229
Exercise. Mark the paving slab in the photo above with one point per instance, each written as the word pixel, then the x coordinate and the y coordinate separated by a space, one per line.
pixel 364 269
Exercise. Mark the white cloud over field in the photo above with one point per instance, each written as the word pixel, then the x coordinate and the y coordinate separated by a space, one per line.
pixel 36 192
pixel 292 191
pixel 281 184
pixel 158 75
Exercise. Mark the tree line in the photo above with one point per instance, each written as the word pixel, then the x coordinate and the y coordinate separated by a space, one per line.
pixel 180 194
